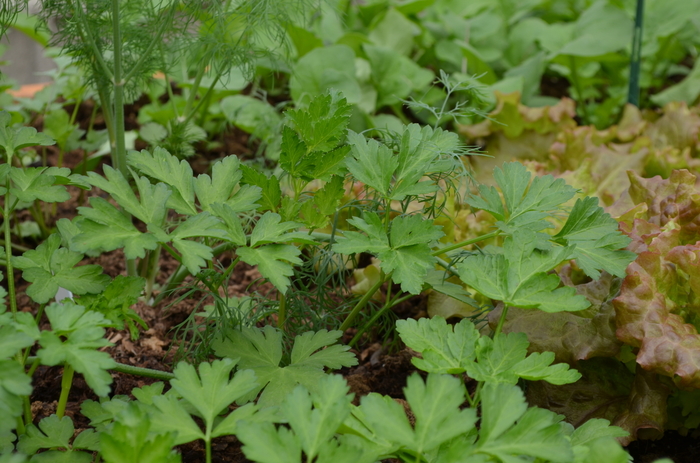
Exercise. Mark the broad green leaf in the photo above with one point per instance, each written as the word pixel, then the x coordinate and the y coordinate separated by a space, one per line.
pixel 596 239
pixel 106 228
pixel 172 416
pixel 435 405
pixel 324 68
pixel 128 441
pixel 194 254
pixel 371 163
pixel 12 340
pixel 255 116
pixel 52 432
pixel 498 356
pixel 395 76
pixel 510 430
pixel 213 390
pixel 538 367
pixel 232 224
pixel 49 267
pixel 57 125
pixel 525 204
pixel 150 208
pixel 409 265
pixel 328 198
pixel 261 351
pixel 13 139
pixel 271 194
pixel 221 187
pixel 293 155
pixel 32 183
pixel 443 350
pixel 413 229
pixel 268 229
pixel 264 443
pixel 14 385
pixel 374 241
pixel 519 276
pixel 166 168
pixel 75 338
pixel 322 126
pixel 274 262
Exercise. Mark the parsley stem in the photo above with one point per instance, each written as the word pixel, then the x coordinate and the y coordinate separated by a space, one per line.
pixel 132 370
pixel 66 383
pixel 501 320
pixel 8 250
pixel 461 244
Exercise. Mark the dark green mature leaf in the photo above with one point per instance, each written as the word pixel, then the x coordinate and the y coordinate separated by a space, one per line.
pixel 49 267
pixel 371 163
pixel 525 204
pixel 261 351
pixel 597 239
pixel 436 407
pixel 221 187
pixel 375 240
pixel 51 433
pixel 13 139
pixel 519 276
pixel 104 227
pixel 75 338
pixel 32 183
pixel 510 429
pixel 322 126
pixel 129 441
pixel 274 262
pixel 149 209
pixel 269 187
pixel 328 198
pixel 163 166
pixel 443 351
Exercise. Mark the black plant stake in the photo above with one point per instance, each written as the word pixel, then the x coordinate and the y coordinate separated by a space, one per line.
pixel 635 61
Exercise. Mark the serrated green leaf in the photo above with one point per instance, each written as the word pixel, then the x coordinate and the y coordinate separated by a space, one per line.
pixel 525 204
pixel 408 265
pixel 172 416
pixel 371 163
pixel 128 440
pixel 274 262
pixel 261 351
pixel 13 139
pixel 14 385
pixel 221 187
pixel 323 124
pixel 509 430
pixel 413 229
pixel 107 229
pixel 32 183
pixel 435 405
pixel 352 242
pixel 597 240
pixel 538 367
pixel 498 356
pixel 212 390
pixel 232 224
pixel 326 164
pixel 166 168
pixel 264 443
pixel 195 254
pixel 116 300
pixel 328 198
pixel 75 338
pixel 12 340
pixel 271 193
pixel 519 276
pixel 52 432
pixel 270 229
pixel 443 350
pixel 293 154
pixel 49 267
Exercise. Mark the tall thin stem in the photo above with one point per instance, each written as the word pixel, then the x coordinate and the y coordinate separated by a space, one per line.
pixel 66 383
pixel 119 148
pixel 8 249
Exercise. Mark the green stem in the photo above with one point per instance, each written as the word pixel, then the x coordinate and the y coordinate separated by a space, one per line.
pixel 119 148
pixel 501 320
pixel 636 59
pixel 579 91
pixel 16 247
pixel 461 244
pixel 363 302
pixel 132 370
pixel 8 250
pixel 376 316
pixel 66 383
pixel 152 271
